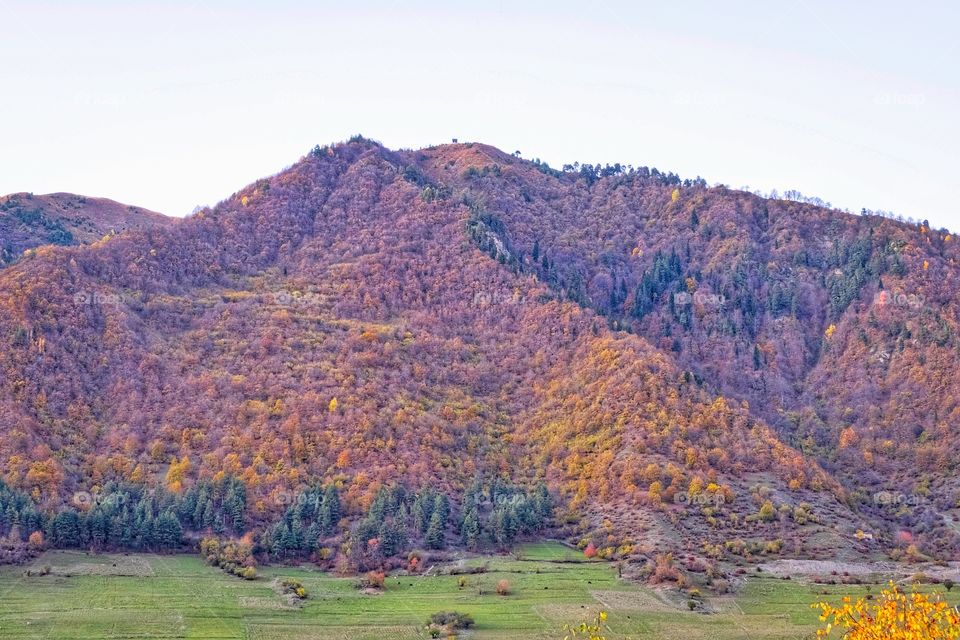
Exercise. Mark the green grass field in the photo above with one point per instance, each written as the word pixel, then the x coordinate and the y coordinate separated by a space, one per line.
pixel 155 596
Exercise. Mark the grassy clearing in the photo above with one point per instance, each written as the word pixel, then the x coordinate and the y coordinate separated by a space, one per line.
pixel 150 596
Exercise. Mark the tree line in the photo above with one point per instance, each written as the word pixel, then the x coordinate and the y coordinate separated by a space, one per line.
pixel 399 520
pixel 129 516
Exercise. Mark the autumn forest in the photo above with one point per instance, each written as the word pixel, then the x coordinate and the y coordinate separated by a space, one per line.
pixel 374 352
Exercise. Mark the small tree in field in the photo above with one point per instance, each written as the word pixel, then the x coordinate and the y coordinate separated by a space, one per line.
pixel 448 623
pixel 592 630
pixel 36 540
pixel 893 616
pixel 373 580
pixel 503 588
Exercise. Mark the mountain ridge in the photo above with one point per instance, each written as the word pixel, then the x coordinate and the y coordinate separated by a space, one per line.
pixel 28 221
pixel 514 320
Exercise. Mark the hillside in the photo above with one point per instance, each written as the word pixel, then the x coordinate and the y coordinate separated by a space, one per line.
pixel 28 221
pixel 840 331
pixel 455 314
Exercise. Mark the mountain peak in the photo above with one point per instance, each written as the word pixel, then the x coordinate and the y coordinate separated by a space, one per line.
pixel 28 221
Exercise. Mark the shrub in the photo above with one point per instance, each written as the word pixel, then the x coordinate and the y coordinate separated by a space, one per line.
pixel 457 571
pixel 293 587
pixel 773 546
pixel 36 541
pixel 593 630
pixel 664 570
pixel 451 620
pixel 767 512
pixel 414 560
pixel 233 557
pixel 373 580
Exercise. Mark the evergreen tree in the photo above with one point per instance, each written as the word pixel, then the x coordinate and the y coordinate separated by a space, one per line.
pixel 423 510
pixel 168 533
pixel 330 510
pixel 296 535
pixel 434 537
pixel 393 538
pixel 236 503
pixel 115 535
pixel 199 509
pixel 543 502
pixel 311 536
pixel 65 529
pixel 281 540
pixel 470 528
pixel 207 518
pixel 442 504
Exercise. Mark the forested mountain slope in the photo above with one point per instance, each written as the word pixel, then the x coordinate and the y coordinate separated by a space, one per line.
pixel 435 317
pixel 838 330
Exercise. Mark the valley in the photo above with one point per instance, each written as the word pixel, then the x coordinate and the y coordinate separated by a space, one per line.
pixel 453 349
pixel 177 596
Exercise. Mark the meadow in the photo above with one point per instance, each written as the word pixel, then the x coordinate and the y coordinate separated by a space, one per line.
pixel 178 596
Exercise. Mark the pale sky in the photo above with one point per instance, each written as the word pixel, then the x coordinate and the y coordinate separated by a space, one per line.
pixel 170 105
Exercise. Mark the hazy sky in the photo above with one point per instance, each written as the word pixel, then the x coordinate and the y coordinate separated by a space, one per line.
pixel 170 105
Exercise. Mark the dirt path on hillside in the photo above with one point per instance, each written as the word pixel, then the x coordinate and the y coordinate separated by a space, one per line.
pixel 825 568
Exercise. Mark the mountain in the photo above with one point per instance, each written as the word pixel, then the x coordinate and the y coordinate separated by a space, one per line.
pixel 28 221
pixel 686 367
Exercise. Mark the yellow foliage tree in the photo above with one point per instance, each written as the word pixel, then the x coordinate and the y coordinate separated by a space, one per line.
pixel 893 616
pixel 333 405
pixel 656 488
pixel 176 473
pixel 695 487
pixel 592 630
